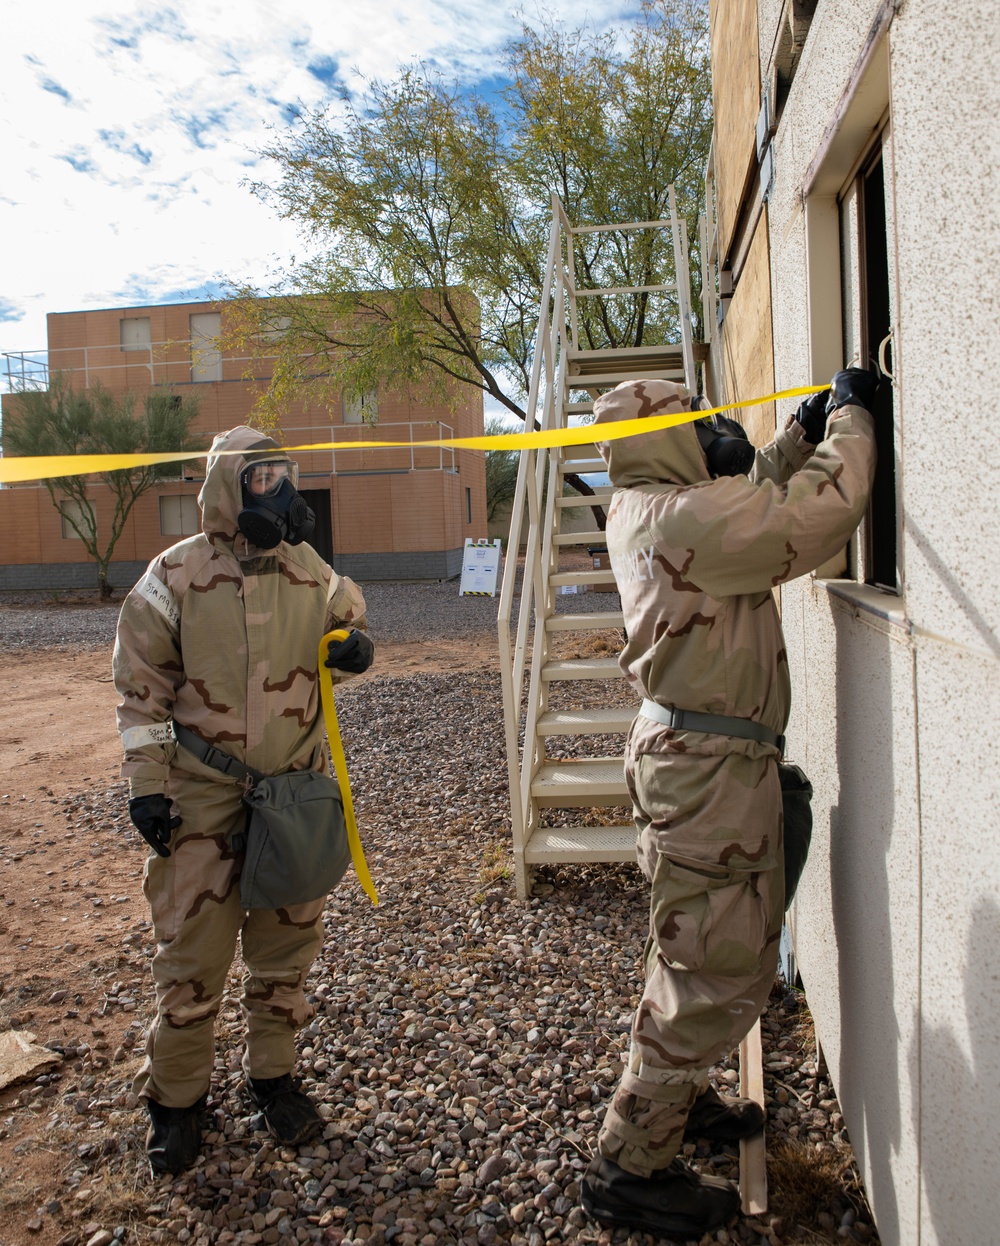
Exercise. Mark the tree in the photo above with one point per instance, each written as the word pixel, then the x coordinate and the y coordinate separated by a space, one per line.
pixel 427 212
pixel 62 420
pixel 501 471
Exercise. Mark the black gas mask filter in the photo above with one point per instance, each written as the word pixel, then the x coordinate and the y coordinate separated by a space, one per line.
pixel 727 449
pixel 273 510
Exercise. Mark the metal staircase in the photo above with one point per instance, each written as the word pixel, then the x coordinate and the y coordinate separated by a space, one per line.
pixel 565 787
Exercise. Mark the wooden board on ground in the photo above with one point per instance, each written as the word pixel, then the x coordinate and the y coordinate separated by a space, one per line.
pixel 753 1154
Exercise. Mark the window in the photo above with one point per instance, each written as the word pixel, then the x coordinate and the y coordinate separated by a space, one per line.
pixel 793 27
pixel 867 302
pixel 275 328
pixel 179 515
pixel 134 332
pixel 361 408
pixel 71 511
pixel 206 358
pixel 880 560
pixel 850 288
pixel 468 506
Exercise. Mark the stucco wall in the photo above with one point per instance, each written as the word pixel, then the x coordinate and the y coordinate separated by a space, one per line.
pixel 898 915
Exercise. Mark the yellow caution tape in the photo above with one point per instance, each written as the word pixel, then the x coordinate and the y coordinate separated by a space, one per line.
pixel 340 763
pixel 48 467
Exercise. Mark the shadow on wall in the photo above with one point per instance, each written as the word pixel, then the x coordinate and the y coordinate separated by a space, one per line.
pixel 861 828
pixel 946 575
pixel 961 1118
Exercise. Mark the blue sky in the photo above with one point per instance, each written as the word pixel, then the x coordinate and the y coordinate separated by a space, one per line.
pixel 127 129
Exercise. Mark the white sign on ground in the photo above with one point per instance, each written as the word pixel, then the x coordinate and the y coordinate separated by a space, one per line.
pixel 480 568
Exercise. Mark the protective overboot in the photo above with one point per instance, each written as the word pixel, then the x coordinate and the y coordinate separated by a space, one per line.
pixel 173 1138
pixel 674 1202
pixel 290 1114
pixel 722 1119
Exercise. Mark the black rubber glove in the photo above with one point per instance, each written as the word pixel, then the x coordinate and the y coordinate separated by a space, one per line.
pixel 353 655
pixel 812 416
pixel 854 386
pixel 151 818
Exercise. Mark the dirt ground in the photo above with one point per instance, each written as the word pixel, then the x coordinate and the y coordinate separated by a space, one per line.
pixel 57 737
pixel 69 902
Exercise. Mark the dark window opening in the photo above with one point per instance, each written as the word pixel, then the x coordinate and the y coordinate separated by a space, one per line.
pixel 792 31
pixel 881 562
pixel 468 506
pixel 318 501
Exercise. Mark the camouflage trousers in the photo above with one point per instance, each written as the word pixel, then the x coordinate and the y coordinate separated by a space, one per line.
pixel 197 919
pixel 709 839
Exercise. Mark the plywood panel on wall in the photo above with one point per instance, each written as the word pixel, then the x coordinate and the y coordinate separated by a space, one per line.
pixel 747 342
pixel 736 98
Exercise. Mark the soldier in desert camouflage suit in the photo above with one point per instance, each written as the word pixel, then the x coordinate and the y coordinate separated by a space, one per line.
pixel 221 636
pixel 696 559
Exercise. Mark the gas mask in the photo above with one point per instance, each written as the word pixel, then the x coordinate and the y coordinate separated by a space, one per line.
pixel 272 509
pixel 727 449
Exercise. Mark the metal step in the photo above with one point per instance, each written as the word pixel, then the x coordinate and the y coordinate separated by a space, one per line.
pixel 580 538
pixel 582 467
pixel 581 783
pixel 587 362
pixel 604 720
pixel 581 668
pixel 581 843
pixel 578 380
pixel 601 497
pixel 605 576
pixel 584 622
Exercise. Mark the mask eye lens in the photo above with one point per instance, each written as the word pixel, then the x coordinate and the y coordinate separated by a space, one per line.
pixel 263 479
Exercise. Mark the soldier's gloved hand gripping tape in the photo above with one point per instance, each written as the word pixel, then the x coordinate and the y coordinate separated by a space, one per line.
pixel 350 651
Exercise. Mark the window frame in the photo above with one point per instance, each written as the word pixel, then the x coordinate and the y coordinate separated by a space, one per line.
pixel 143 340
pixel 360 407
pixel 69 533
pixel 188 521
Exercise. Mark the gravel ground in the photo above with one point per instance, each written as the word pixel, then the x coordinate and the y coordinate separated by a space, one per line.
pixel 465 1042
pixel 398 613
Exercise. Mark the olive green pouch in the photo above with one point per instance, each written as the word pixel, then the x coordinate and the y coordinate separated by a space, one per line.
pixel 296 840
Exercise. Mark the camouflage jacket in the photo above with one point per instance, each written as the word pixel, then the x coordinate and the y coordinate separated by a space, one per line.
pixel 696 559
pixel 222 637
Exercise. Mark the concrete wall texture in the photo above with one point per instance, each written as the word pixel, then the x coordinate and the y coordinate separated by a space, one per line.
pixel 896 696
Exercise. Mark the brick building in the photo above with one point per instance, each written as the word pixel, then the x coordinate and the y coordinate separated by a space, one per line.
pixel 381 514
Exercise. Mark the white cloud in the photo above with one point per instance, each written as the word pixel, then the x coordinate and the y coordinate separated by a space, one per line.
pixel 127 131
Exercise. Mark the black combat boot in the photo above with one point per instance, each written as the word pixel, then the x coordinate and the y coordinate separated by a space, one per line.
pixel 675 1201
pixel 290 1114
pixel 173 1138
pixel 721 1119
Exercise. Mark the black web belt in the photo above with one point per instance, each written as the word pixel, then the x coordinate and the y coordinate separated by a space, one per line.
pixel 215 757
pixel 713 724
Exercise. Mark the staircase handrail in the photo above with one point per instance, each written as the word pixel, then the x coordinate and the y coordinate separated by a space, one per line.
pixel 556 341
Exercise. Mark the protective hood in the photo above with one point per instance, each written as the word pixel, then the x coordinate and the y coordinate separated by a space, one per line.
pixel 671 455
pixel 221 497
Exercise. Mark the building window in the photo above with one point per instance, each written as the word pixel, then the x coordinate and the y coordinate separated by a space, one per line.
pixel 179 515
pixel 361 407
pixel 275 328
pixel 793 27
pixel 468 506
pixel 134 332
pixel 71 512
pixel 879 544
pixel 206 358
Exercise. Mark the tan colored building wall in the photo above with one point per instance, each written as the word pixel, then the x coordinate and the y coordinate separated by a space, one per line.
pixel 895 693
pixel 741 361
pixel 410 523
